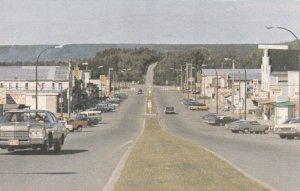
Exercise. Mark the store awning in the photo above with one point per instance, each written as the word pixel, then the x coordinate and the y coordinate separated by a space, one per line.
pixel 283 104
pixel 265 102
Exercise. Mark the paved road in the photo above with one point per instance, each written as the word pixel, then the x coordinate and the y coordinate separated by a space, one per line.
pixel 87 160
pixel 265 157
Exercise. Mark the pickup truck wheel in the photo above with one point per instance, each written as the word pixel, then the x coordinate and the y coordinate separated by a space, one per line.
pixel 79 128
pixel 57 148
pixel 282 136
pixel 45 147
pixel 266 131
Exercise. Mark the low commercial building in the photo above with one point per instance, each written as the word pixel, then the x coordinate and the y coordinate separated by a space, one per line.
pixel 19 83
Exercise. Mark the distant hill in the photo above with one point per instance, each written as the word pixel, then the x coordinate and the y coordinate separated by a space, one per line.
pixel 29 53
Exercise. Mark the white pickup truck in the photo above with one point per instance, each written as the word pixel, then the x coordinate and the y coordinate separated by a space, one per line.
pixel 288 129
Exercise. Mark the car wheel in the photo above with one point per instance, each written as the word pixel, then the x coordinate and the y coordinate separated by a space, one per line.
pixel 246 131
pixel 221 123
pixel 266 131
pixel 79 128
pixel 10 150
pixel 45 148
pixel 282 136
pixel 234 131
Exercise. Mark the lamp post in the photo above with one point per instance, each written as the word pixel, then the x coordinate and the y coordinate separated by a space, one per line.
pixel 232 83
pixel 203 80
pixel 217 96
pixel 245 101
pixel 36 72
pixel 298 43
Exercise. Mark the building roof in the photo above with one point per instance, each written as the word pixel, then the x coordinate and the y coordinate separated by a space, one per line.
pixel 27 73
pixel 251 73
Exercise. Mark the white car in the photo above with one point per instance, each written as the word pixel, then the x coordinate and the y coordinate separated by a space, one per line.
pixel 288 129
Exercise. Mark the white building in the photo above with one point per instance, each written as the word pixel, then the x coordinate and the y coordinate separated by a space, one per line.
pixel 20 85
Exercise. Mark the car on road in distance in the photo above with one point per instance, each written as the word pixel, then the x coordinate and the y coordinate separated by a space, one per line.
pixel 198 106
pixel 169 110
pixel 288 129
pixel 140 91
pixel 36 129
pixel 246 126
pixel 221 120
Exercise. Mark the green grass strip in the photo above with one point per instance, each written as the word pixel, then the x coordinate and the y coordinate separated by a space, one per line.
pixel 162 162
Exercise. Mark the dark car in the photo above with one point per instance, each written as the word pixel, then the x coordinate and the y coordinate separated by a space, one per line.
pixel 140 91
pixel 221 120
pixel 169 110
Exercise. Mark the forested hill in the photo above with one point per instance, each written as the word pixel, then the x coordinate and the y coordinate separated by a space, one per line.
pixel 29 53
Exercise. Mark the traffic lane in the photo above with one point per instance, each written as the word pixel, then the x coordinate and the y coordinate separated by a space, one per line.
pixel 87 160
pixel 265 157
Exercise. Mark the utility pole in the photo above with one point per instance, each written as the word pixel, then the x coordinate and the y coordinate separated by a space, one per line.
pixel 233 91
pixel 181 78
pixel 70 88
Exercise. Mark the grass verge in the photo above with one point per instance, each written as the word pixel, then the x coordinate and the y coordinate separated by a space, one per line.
pixel 162 162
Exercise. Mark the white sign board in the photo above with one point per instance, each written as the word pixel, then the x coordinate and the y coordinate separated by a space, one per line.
pixel 276 91
pixel 2 95
pixel 255 86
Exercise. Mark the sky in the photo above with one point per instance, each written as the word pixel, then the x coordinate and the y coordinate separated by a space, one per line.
pixel 32 22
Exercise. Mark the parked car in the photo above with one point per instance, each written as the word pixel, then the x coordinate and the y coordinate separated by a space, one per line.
pixel 78 122
pixel 169 110
pixel 220 120
pixel 198 106
pixel 186 101
pixel 36 129
pixel 205 117
pixel 289 129
pixel 93 117
pixel 248 127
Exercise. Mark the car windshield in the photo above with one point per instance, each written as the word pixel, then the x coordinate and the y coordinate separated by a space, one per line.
pixel 27 116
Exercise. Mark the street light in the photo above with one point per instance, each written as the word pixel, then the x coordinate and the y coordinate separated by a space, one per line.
pixel 298 43
pixel 203 80
pixel 232 83
pixel 36 72
pixel 217 96
pixel 245 104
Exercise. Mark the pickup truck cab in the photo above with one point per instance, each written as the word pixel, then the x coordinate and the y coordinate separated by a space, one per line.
pixel 78 122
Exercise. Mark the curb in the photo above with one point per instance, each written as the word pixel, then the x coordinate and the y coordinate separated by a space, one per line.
pixel 110 185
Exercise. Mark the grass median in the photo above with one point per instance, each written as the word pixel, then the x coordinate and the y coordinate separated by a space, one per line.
pixel 159 161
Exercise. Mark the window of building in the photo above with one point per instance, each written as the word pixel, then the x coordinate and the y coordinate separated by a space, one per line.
pixel 26 86
pixel 9 86
pixel 17 86
pixel 53 86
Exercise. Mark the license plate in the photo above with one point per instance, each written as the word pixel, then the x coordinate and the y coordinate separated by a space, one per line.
pixel 13 142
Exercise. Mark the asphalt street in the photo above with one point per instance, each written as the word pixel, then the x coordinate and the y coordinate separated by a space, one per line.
pixel 87 160
pixel 266 158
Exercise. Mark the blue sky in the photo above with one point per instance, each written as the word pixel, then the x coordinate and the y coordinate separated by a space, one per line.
pixel 147 21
